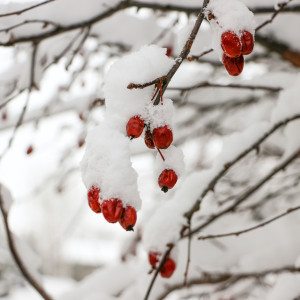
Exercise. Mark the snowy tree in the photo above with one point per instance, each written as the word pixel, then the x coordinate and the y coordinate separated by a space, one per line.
pixel 149 149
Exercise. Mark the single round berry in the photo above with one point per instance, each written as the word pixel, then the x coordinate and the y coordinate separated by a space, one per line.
pixel 168 268
pixel 29 150
pixel 135 127
pixel 162 137
pixel 93 199
pixel 234 66
pixel 112 210
pixel 231 44
pixel 247 42
pixel 167 179
pixel 153 259
pixel 128 218
pixel 149 140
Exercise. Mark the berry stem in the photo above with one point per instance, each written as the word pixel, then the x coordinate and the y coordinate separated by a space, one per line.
pixel 160 154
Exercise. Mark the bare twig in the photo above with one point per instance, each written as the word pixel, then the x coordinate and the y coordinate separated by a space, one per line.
pixel 240 156
pixel 188 259
pixel 24 109
pixel 15 254
pixel 215 278
pixel 132 86
pixel 238 233
pixel 157 270
pixel 248 193
pixel 207 84
pixel 44 24
pixel 280 7
pixel 19 12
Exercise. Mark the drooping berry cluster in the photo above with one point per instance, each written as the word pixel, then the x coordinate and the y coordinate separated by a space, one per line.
pixel 234 48
pixel 233 28
pixel 158 134
pixel 106 167
pixel 112 209
pixel 168 267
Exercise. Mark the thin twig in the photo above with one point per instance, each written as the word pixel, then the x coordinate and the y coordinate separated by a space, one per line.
pixel 207 84
pixel 238 233
pixel 24 109
pixel 132 86
pixel 281 7
pixel 248 193
pixel 157 270
pixel 44 24
pixel 215 278
pixel 17 258
pixel 188 260
pixel 19 12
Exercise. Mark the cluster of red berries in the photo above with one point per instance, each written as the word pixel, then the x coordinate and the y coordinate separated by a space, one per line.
pixel 112 209
pixel 167 268
pixel 234 47
pixel 160 138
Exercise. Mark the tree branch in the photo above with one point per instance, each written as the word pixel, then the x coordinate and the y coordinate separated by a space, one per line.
pixel 19 12
pixel 207 84
pixel 14 252
pixel 215 278
pixel 248 192
pixel 238 233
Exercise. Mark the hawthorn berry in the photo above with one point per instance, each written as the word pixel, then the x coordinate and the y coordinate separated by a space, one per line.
pixel 167 179
pixel 29 150
pixel 162 137
pixel 135 127
pixel 112 210
pixel 169 51
pixel 247 42
pixel 168 268
pixel 231 44
pixel 128 218
pixel 93 196
pixel 234 66
pixel 149 140
pixel 153 259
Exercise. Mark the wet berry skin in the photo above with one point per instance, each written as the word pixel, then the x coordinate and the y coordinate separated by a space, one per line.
pixel 234 66
pixel 162 137
pixel 167 180
pixel 112 210
pixel 153 259
pixel 93 199
pixel 247 42
pixel 135 127
pixel 231 44
pixel 128 218
pixel 168 268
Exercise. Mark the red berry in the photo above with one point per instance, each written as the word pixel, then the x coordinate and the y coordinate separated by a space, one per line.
pixel 167 179
pixel 168 268
pixel 169 51
pixel 162 137
pixel 128 218
pixel 112 210
pixel 135 127
pixel 247 42
pixel 234 66
pixel 153 259
pixel 29 150
pixel 231 44
pixel 149 140
pixel 93 199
